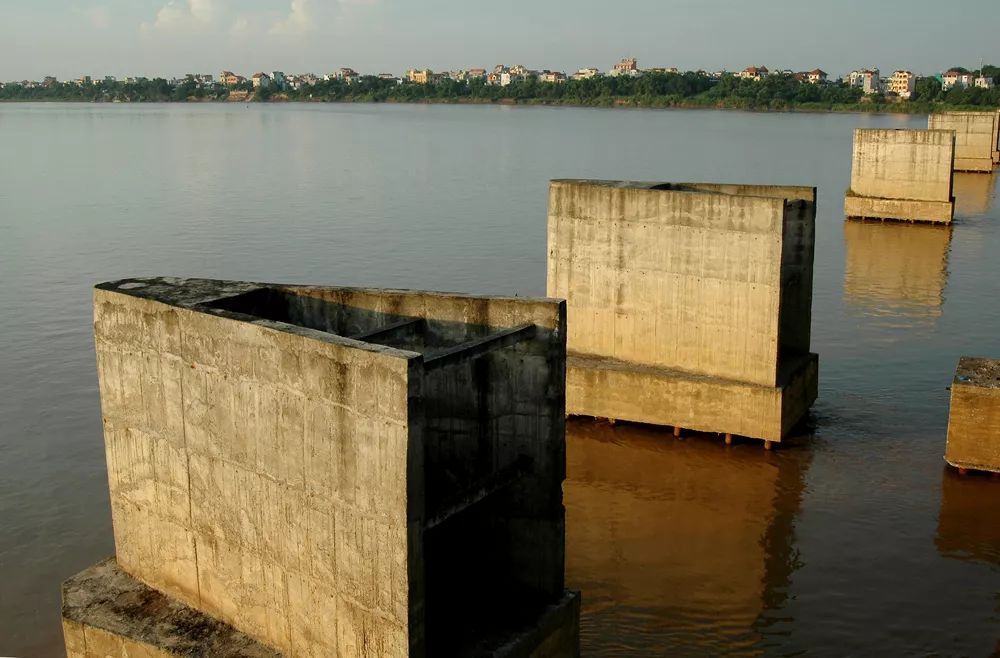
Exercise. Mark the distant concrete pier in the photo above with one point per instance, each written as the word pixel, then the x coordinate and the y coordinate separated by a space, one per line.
pixel 328 472
pixel 903 175
pixel 974 419
pixel 689 305
pixel 975 138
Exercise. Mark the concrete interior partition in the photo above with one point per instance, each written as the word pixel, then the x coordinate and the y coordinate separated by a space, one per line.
pixel 902 174
pixel 975 138
pixel 340 471
pixel 689 304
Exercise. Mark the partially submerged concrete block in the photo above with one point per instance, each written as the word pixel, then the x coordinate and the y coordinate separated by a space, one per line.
pixel 996 139
pixel 975 138
pixel 902 174
pixel 339 471
pixel 689 304
pixel 974 419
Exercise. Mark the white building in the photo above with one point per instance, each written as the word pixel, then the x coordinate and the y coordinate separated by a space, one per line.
pixel 951 78
pixel 628 67
pixel 982 82
pixel 586 74
pixel 903 83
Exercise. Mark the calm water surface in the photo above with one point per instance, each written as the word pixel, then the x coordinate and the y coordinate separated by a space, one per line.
pixel 856 541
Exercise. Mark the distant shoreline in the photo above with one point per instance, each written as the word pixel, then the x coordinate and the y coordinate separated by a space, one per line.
pixel 861 108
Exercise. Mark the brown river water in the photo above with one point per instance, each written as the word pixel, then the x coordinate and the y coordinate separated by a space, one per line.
pixel 854 540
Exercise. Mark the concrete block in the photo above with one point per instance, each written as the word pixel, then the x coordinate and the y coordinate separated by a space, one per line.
pixel 286 459
pixel 902 174
pixel 974 419
pixel 681 282
pixel 975 138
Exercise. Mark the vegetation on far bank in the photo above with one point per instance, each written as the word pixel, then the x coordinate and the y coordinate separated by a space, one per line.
pixel 652 90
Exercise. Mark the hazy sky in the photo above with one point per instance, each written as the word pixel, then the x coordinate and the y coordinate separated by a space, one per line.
pixel 69 38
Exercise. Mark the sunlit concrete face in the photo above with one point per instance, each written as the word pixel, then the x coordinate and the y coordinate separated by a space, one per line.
pixel 894 270
pixel 974 417
pixel 699 543
pixel 689 304
pixel 301 462
pixel 902 174
pixel 975 138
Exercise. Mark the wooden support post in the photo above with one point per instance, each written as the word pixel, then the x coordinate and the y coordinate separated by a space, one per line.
pixel 729 439
pixel 677 431
pixel 768 445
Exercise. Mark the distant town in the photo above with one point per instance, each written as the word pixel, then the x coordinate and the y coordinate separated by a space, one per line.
pixel 625 83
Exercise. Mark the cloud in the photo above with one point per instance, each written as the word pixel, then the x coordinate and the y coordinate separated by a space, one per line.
pixel 185 15
pixel 99 17
pixel 301 19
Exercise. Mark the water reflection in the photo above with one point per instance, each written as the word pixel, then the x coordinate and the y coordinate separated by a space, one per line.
pixel 969 521
pixel 680 547
pixel 973 193
pixel 896 270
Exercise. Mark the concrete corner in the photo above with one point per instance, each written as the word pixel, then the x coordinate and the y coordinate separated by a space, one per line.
pixel 974 418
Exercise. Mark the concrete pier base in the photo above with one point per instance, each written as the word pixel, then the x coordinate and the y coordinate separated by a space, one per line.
pixel 664 396
pixel 974 419
pixel 109 614
pixel 860 207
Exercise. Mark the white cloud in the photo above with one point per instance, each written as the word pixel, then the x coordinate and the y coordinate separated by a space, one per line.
pixel 301 18
pixel 185 15
pixel 99 17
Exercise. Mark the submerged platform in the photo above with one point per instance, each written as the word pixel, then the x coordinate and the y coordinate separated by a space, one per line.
pixel 975 165
pixel 974 419
pixel 910 210
pixel 108 614
pixel 607 388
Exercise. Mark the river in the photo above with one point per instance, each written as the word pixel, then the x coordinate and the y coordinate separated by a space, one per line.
pixel 854 540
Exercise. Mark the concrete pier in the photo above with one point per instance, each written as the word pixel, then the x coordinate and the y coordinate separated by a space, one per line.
pixel 974 419
pixel 339 471
pixel 689 305
pixel 975 138
pixel 902 174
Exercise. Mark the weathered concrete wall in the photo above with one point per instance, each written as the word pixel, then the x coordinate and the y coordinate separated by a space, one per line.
pixel 269 463
pixel 996 139
pixel 680 530
pixel 108 614
pixel 708 279
pixel 913 165
pixel 974 419
pixel 975 137
pixel 610 389
pixel 896 270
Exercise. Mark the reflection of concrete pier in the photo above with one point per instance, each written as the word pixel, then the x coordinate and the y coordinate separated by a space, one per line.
pixel 896 270
pixel 967 523
pixel 975 138
pixel 329 472
pixel 689 304
pixel 692 543
pixel 974 193
pixel 902 174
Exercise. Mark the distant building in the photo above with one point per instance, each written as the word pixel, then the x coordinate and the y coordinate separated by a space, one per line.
pixel 627 67
pixel 867 80
pixel 494 79
pixel 552 77
pixel 586 74
pixel 816 76
pixel 755 73
pixel 230 79
pixel 261 81
pixel 279 80
pixel 662 69
pixel 903 84
pixel 475 74
pixel 419 76
pixel 518 70
pixel 951 78
pixel 983 82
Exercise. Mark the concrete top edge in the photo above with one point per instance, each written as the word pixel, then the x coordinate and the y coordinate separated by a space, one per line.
pixel 984 113
pixel 978 371
pixel 192 291
pixel 896 131
pixel 787 192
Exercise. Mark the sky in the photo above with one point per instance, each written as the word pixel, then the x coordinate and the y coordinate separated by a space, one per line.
pixel 70 38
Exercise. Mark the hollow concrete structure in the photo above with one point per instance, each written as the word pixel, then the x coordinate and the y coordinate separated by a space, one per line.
pixel 974 418
pixel 975 138
pixel 334 471
pixel 689 305
pixel 903 175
